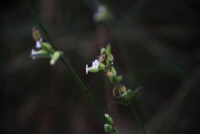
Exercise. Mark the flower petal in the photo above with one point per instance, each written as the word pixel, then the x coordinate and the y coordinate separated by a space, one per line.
pixel 38 44
pixel 95 64
pixel 33 52
pixel 86 69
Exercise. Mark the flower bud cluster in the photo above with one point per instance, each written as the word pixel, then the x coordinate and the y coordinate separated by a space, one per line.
pixel 108 127
pixel 43 49
pixel 105 62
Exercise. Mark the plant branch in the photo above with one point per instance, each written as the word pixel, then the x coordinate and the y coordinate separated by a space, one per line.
pixel 65 62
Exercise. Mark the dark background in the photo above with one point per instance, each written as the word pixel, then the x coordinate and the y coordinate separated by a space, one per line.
pixel 155 45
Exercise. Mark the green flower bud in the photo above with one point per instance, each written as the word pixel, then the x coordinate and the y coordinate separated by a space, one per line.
pixel 108 62
pixel 108 49
pixel 109 119
pixel 118 78
pixel 109 128
pixel 112 78
pixel 102 50
pixel 115 79
pixel 110 57
pixel 56 55
pixel 47 46
pixel 36 34
pixel 128 96
pixel 113 71
pixel 101 66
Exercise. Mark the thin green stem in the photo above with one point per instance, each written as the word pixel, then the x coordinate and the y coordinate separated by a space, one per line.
pixel 80 82
pixel 71 70
pixel 138 119
pixel 38 20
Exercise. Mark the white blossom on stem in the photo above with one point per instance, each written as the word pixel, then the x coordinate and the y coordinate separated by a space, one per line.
pixel 93 68
pixel 95 64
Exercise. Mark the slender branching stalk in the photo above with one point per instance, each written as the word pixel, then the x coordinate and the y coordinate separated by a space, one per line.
pixel 65 62
pixel 123 95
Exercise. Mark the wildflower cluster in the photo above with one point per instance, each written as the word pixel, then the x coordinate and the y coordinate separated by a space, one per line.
pixel 43 49
pixel 105 62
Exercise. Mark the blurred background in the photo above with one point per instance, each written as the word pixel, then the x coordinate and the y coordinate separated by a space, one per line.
pixel 155 45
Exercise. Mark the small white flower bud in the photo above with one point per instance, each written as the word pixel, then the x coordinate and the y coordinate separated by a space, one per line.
pixel 109 128
pixel 109 119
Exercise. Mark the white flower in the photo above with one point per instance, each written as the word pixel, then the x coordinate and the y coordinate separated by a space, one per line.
pixel 95 64
pixel 99 13
pixel 106 115
pixel 32 53
pixel 86 69
pixel 101 9
pixel 106 125
pixel 93 68
pixel 38 44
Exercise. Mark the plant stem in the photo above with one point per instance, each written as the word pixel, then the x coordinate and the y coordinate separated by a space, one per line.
pixel 38 20
pixel 80 82
pixel 137 118
pixel 71 70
